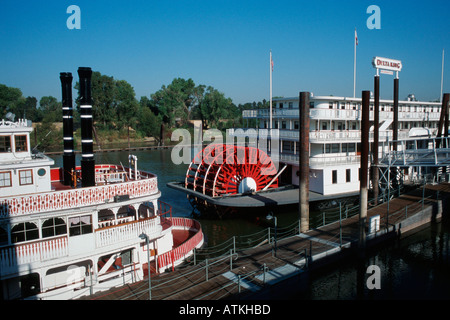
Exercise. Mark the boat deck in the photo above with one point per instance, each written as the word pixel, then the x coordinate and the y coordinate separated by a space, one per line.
pixel 244 277
pixel 275 197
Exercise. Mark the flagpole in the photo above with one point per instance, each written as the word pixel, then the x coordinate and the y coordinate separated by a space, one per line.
pixel 270 69
pixel 354 67
pixel 442 75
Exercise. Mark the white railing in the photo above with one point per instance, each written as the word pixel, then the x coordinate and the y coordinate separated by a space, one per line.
pixel 323 136
pixel 113 177
pixel 73 198
pixel 13 256
pixel 339 114
pixel 325 161
pixel 128 231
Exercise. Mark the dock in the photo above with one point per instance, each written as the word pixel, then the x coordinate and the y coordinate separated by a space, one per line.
pixel 282 196
pixel 274 267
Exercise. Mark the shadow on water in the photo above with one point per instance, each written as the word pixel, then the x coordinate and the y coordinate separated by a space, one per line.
pixel 414 267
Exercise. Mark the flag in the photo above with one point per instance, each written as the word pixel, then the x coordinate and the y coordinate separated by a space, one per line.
pixel 271 61
pixel 356 38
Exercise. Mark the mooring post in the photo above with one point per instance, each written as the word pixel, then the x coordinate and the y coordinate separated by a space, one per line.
pixel 364 168
pixel 395 123
pixel 376 130
pixel 395 179
pixel 304 161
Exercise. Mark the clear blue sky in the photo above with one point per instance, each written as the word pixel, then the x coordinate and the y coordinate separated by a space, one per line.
pixel 226 44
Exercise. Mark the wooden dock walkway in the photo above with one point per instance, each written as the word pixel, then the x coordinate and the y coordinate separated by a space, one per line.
pixel 252 273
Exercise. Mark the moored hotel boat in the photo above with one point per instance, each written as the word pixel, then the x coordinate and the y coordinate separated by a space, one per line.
pixel 77 230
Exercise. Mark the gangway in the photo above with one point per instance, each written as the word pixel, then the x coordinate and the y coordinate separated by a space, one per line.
pixel 418 153
pixel 415 161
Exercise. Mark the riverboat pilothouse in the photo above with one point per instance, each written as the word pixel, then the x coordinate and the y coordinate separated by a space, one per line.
pixel 77 230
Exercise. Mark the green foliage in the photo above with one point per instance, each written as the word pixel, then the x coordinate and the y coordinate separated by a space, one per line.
pixel 9 99
pixel 48 138
pixel 115 109
pixel 212 107
pixel 174 101
pixel 149 123
pixel 51 109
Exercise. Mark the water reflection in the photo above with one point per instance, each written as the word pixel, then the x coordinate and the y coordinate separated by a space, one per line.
pixel 415 267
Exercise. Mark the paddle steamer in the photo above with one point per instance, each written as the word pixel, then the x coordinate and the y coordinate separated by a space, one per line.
pixel 77 230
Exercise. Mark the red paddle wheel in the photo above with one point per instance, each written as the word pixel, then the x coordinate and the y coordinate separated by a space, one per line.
pixel 221 169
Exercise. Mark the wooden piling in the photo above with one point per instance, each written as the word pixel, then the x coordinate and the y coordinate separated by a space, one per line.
pixel 364 168
pixel 304 162
pixel 376 130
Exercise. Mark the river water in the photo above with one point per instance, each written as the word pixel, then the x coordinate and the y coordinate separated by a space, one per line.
pixel 415 267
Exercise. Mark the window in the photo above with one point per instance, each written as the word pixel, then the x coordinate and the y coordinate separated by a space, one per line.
pixel 53 227
pixel 21 143
pixel 80 225
pixel 24 232
pixel 5 179
pixel 3 236
pixel 334 176
pixel 311 105
pixel 283 124
pixel 281 105
pixel 296 125
pixel 324 126
pixel 348 175
pixel 335 148
pixel 26 177
pixel 291 105
pixel 5 144
pixel 330 105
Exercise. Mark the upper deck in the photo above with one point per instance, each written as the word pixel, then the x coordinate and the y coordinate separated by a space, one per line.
pixel 111 181
pixel 342 108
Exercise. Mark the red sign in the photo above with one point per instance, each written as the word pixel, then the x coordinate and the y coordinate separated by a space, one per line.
pixel 387 64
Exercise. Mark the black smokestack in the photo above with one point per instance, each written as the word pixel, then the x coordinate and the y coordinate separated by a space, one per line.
pixel 69 154
pixel 87 148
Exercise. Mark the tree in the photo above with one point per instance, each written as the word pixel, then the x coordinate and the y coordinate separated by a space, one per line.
pixel 149 123
pixel 9 99
pixel 212 107
pixel 125 104
pixel 27 109
pixel 174 101
pixel 51 109
pixel 103 90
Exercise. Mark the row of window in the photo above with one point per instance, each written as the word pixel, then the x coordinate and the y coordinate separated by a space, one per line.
pixel 28 231
pixel 348 176
pixel 25 178
pixel 354 106
pixel 20 142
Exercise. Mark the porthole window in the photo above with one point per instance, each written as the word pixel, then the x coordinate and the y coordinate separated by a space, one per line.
pixel 41 172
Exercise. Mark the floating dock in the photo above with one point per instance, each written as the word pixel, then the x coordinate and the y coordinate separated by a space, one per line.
pixel 281 196
pixel 272 271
